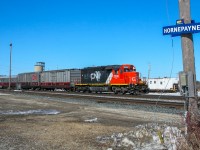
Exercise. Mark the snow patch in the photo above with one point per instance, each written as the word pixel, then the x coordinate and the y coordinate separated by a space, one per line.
pixel 43 112
pixel 170 94
pixel 91 120
pixel 4 94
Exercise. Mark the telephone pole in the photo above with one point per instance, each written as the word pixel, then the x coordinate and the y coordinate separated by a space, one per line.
pixel 188 56
pixel 10 66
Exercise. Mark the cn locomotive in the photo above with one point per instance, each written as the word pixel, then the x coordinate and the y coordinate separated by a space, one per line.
pixel 112 78
pixel 116 78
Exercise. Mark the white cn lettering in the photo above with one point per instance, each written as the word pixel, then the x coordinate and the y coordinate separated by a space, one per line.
pixel 96 75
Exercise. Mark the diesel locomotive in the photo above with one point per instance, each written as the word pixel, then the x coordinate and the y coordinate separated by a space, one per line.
pixel 115 78
pixel 112 78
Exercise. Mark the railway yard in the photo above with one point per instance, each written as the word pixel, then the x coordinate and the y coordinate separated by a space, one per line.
pixel 60 120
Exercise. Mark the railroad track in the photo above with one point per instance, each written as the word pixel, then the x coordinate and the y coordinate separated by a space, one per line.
pixel 155 100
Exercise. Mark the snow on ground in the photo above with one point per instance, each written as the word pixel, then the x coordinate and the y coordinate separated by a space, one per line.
pixel 144 137
pixel 28 112
pixel 170 94
pixel 91 120
pixel 3 94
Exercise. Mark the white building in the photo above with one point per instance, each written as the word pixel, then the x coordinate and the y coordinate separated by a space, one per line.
pixel 163 84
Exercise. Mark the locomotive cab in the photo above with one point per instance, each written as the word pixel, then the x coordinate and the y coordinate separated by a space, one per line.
pixel 126 80
pixel 126 74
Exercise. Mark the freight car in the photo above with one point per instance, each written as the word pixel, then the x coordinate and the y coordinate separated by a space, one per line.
pixel 49 80
pixel 29 80
pixel 4 82
pixel 115 78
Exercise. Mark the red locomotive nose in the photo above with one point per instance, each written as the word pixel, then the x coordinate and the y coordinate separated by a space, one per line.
pixel 133 77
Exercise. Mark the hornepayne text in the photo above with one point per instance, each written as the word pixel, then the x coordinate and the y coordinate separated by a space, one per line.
pixel 183 29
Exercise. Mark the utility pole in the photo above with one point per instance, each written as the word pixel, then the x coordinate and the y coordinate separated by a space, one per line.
pixel 188 57
pixel 10 66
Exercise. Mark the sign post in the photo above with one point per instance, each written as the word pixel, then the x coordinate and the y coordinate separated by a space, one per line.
pixel 185 28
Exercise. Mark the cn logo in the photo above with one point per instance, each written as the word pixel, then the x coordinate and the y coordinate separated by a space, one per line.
pixel 96 75
pixel 133 79
pixel 34 77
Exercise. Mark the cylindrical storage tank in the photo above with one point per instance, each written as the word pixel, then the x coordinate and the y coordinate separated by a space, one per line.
pixel 39 67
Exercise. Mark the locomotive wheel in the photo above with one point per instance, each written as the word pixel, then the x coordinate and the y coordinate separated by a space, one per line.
pixel 123 90
pixel 116 91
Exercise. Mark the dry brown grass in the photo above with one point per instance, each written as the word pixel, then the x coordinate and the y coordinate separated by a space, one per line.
pixel 191 141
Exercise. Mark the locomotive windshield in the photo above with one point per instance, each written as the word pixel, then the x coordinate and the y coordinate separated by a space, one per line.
pixel 129 69
pixel 132 68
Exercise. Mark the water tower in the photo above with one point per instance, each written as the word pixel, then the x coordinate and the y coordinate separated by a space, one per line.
pixel 39 67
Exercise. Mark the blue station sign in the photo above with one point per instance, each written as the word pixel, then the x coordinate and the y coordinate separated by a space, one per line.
pixel 179 29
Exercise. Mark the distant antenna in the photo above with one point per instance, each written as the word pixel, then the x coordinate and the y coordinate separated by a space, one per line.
pixel 149 70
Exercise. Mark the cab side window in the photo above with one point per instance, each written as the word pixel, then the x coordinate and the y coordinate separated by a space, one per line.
pixel 126 70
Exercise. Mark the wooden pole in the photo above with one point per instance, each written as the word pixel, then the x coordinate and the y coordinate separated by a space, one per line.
pixel 188 56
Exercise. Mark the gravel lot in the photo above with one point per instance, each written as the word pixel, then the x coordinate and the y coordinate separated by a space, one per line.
pixel 45 123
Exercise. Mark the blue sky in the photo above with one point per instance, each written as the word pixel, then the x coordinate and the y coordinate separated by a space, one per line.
pixel 82 33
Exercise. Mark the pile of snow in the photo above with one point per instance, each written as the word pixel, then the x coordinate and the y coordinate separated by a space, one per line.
pixel 144 137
